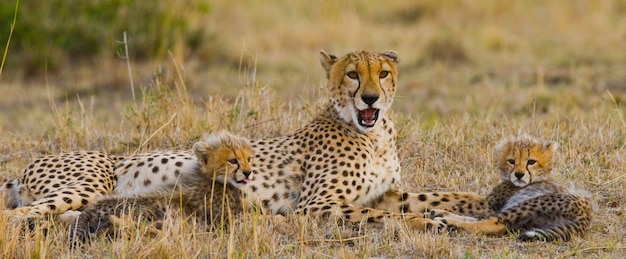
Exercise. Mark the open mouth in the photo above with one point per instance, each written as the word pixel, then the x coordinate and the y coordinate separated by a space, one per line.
pixel 368 117
pixel 244 181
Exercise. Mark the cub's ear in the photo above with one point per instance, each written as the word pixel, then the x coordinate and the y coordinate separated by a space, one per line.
pixel 200 149
pixel 552 146
pixel 503 146
pixel 391 54
pixel 327 61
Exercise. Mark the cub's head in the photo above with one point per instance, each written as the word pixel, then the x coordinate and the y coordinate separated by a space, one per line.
pixel 362 85
pixel 225 158
pixel 523 160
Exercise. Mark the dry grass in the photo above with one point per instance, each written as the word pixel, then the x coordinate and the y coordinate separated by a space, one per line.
pixel 472 72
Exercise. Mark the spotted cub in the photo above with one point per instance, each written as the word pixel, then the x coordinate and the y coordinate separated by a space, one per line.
pixel 526 200
pixel 212 194
pixel 53 184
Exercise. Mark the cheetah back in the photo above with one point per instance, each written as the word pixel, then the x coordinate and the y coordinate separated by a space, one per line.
pixel 54 184
pixel 154 172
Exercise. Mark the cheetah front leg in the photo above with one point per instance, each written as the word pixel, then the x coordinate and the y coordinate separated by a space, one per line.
pixel 490 226
pixel 359 214
pixel 445 215
pixel 406 202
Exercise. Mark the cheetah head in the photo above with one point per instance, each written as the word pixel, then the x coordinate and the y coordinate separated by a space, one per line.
pixel 225 158
pixel 362 85
pixel 524 160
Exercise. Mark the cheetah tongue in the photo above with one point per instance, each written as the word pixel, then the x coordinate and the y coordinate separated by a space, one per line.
pixel 368 117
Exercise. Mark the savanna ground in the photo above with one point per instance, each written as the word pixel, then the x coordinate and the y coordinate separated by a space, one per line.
pixel 472 72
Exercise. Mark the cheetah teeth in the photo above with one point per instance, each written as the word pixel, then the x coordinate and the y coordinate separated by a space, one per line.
pixel 368 117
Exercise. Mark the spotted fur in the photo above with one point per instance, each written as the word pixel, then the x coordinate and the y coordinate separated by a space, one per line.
pixel 344 163
pixel 211 196
pixel 527 200
pixel 53 184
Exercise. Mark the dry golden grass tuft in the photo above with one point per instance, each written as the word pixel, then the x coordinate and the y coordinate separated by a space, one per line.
pixel 550 69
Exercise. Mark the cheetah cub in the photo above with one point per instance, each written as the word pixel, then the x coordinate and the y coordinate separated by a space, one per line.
pixel 211 196
pixel 526 200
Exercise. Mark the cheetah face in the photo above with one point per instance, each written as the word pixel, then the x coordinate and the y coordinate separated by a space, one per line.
pixel 238 170
pixel 225 158
pixel 362 84
pixel 524 160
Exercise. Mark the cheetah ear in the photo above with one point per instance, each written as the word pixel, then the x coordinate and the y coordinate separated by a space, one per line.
pixel 552 146
pixel 502 146
pixel 327 61
pixel 200 149
pixel 391 54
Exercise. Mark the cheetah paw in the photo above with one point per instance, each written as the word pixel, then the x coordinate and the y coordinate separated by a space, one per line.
pixel 529 236
pixel 448 222
pixel 437 226
pixel 435 213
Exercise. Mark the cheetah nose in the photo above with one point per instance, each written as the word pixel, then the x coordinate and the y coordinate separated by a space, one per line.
pixel 519 175
pixel 247 174
pixel 369 99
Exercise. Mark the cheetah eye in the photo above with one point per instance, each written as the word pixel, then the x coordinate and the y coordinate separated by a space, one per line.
pixel 531 162
pixel 511 161
pixel 353 75
pixel 232 161
pixel 249 159
pixel 383 74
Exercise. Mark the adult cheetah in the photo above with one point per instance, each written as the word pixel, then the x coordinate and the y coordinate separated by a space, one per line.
pixel 343 163
pixel 527 199
pixel 212 196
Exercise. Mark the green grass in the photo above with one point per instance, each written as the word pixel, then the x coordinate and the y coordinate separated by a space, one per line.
pixel 472 72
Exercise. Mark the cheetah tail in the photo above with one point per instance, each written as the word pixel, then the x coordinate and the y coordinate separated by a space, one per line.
pixel 562 232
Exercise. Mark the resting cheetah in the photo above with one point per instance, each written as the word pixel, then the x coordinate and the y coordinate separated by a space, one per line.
pixel 343 163
pixel 54 184
pixel 223 163
pixel 527 199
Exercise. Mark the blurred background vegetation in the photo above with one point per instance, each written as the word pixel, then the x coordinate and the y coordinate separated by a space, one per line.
pixel 448 48
pixel 57 33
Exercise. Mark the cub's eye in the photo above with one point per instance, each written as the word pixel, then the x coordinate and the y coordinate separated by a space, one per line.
pixel 249 159
pixel 531 162
pixel 353 74
pixel 383 74
pixel 232 161
pixel 511 161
